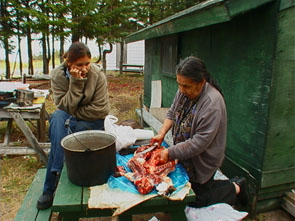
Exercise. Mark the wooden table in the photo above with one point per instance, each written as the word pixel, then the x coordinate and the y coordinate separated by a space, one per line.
pixel 20 114
pixel 71 201
pixel 132 68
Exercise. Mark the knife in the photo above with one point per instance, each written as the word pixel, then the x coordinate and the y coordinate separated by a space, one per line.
pixel 148 149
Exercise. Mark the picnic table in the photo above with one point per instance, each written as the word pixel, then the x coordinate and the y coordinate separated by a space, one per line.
pixel 71 201
pixel 132 68
pixel 19 115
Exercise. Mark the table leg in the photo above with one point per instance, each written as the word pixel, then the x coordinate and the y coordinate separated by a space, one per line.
pixel 125 217
pixel 7 132
pixel 69 217
pixel 42 125
pixel 178 214
pixel 30 136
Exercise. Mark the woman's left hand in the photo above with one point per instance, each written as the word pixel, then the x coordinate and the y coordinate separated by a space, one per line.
pixel 163 155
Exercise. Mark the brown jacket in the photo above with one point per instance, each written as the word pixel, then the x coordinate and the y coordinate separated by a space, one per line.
pixel 85 99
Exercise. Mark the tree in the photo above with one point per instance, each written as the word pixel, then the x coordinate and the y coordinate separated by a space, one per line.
pixel 6 32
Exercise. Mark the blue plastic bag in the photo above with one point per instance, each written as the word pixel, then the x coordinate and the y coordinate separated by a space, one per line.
pixel 179 177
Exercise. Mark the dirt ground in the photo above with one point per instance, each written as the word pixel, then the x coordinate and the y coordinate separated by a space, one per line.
pixel 17 172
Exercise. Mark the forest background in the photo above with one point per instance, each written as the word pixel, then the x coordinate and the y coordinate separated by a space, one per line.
pixel 49 21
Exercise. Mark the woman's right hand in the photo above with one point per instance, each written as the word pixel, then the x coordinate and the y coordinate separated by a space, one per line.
pixel 157 139
pixel 76 73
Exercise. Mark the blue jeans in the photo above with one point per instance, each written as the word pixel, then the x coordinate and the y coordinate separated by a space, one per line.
pixel 57 131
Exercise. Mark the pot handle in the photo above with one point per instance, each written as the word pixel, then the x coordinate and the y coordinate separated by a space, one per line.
pixel 67 125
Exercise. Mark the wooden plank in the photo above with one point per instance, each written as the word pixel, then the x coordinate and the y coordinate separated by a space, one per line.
pixel 26 114
pixel 132 65
pixel 156 100
pixel 290 208
pixel 284 4
pixel 43 215
pixel 282 176
pixel 28 211
pixel 159 113
pixel 237 7
pixel 42 125
pixel 133 70
pixel 86 195
pixel 30 136
pixel 7 132
pixel 20 151
pixel 68 196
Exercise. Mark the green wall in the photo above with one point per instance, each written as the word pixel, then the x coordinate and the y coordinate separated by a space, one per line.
pixel 279 159
pixel 253 59
pixel 239 55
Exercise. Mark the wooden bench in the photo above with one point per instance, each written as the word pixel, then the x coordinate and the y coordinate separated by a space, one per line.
pixel 28 210
pixel 132 68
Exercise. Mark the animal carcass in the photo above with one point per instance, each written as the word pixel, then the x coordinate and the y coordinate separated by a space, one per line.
pixel 149 171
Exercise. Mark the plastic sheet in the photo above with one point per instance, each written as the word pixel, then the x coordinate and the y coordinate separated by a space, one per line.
pixel 219 211
pixel 179 177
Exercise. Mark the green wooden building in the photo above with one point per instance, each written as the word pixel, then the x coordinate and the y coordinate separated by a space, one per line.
pixel 249 48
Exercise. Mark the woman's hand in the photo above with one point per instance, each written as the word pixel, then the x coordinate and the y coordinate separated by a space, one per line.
pixel 77 73
pixel 164 156
pixel 157 139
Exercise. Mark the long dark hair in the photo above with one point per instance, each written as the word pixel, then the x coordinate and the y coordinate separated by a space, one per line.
pixel 77 50
pixel 195 69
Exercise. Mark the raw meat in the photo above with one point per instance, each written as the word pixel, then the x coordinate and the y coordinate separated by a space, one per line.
pixel 148 171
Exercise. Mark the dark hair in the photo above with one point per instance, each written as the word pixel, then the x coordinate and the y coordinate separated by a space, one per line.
pixel 77 50
pixel 195 69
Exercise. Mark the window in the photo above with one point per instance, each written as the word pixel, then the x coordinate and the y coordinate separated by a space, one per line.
pixel 168 54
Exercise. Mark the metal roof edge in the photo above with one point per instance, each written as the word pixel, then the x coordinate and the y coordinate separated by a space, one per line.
pixel 233 7
pixel 200 6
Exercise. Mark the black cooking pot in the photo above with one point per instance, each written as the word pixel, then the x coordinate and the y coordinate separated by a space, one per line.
pixel 90 157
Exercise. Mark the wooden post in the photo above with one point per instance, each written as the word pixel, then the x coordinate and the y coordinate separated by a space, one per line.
pixel 7 132
pixel 42 125
pixel 30 136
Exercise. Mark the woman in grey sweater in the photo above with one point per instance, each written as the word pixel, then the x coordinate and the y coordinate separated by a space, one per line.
pixel 198 120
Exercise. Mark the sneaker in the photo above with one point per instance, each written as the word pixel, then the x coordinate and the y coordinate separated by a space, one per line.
pixel 243 195
pixel 45 201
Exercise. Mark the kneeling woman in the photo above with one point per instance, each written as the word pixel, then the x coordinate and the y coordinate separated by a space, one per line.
pixel 80 94
pixel 198 120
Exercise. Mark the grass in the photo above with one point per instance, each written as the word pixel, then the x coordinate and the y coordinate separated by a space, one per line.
pixel 18 172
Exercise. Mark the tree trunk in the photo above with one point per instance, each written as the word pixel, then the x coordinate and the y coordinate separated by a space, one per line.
pixel 75 37
pixel 61 49
pixel 151 15
pixel 121 56
pixel 99 58
pixel 44 54
pixel 30 54
pixel 48 52
pixel 19 50
pixel 53 52
pixel 105 52
pixel 7 62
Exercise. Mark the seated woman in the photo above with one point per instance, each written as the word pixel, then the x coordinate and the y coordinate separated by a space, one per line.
pixel 80 94
pixel 198 120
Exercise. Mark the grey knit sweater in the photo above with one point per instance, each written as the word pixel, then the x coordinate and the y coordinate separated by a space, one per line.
pixel 206 145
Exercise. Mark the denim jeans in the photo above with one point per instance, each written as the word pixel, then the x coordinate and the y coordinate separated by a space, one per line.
pixel 57 131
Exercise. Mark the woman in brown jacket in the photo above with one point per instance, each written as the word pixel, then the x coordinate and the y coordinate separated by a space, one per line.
pixel 80 94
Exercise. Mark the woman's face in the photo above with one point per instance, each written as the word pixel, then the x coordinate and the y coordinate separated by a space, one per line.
pixel 189 87
pixel 82 65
